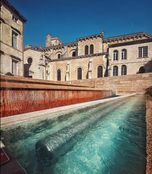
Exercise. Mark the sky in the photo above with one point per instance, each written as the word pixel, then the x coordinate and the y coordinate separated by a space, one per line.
pixel 71 19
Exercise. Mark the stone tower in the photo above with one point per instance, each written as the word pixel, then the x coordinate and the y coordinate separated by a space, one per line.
pixel 48 40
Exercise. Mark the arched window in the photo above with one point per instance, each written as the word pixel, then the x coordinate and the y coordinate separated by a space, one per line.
pixel 91 49
pixel 115 71
pixel 59 56
pixel 79 74
pixel 115 55
pixel 73 54
pixel 30 60
pixel 86 50
pixel 141 69
pixel 123 70
pixel 58 75
pixel 100 71
pixel 124 54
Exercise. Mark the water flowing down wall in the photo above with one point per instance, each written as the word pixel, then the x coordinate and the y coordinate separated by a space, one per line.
pixel 22 95
pixel 50 148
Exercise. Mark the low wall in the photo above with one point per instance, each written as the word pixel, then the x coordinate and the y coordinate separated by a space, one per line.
pixel 120 84
pixel 21 95
pixel 149 130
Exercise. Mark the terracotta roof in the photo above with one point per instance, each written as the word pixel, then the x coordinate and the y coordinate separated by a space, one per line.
pixel 110 39
pixel 91 36
pixel 34 48
pixel 7 3
pixel 60 46
pixel 128 36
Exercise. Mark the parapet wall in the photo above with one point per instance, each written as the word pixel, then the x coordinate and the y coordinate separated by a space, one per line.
pixel 21 95
pixel 121 84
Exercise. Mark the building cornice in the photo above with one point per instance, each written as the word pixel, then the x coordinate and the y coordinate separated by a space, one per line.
pixel 127 37
pixel 109 40
pixel 79 57
pixel 90 37
pixel 8 5
pixel 131 43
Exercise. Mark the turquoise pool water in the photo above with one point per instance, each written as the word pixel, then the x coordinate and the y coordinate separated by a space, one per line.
pixel 108 138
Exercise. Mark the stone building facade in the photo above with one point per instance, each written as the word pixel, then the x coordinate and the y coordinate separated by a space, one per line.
pixel 130 54
pixel 90 57
pixel 11 40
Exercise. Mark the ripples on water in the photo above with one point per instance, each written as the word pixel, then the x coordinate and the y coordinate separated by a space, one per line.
pixel 114 144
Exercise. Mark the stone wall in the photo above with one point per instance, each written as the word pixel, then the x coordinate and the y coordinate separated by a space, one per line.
pixel 120 84
pixel 11 55
pixel 21 95
pixel 149 130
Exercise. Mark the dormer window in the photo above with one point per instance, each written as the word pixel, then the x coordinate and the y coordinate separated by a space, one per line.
pixel 14 18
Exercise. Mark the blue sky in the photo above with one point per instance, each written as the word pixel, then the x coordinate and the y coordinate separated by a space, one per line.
pixel 71 19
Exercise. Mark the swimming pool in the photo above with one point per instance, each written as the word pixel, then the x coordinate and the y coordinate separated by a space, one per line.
pixel 108 138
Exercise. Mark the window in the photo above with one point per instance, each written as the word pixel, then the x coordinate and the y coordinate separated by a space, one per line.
pixel 59 56
pixel 14 39
pixel 115 55
pixel 86 50
pixel 73 54
pixel 100 72
pixel 91 49
pixel 79 74
pixel 14 18
pixel 141 69
pixel 124 54
pixel 58 75
pixel 115 71
pixel 29 60
pixel 143 52
pixel 123 70
pixel 14 67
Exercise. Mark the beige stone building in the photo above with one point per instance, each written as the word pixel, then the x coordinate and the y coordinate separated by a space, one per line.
pixel 83 59
pixel 90 57
pixel 11 40
pixel 130 54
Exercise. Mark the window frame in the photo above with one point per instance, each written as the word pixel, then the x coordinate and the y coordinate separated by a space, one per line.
pixel 143 52
pixel 14 39
pixel 91 49
pixel 59 75
pixel 115 70
pixel 79 73
pixel 14 67
pixel 59 55
pixel 74 54
pixel 100 71
pixel 123 70
pixel 123 54
pixel 115 55
pixel 86 50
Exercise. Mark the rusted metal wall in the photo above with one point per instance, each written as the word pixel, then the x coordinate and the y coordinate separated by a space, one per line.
pixel 21 95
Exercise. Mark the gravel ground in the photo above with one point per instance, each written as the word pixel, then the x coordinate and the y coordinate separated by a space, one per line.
pixel 149 134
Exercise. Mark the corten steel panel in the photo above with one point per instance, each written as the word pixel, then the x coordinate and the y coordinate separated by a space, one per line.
pixel 21 101
pixel 22 95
